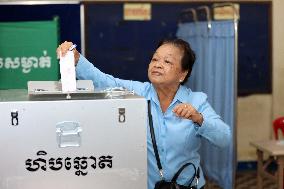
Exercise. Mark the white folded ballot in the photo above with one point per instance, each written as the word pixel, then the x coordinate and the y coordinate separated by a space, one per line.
pixel 67 71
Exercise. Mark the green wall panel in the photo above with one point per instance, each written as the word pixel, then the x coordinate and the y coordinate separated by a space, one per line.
pixel 28 53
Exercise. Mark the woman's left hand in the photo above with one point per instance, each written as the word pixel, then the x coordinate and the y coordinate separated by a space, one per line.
pixel 187 111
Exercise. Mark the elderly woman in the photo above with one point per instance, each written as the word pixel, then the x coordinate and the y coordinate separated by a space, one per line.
pixel 181 117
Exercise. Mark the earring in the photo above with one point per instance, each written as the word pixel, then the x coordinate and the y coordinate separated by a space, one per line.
pixel 180 80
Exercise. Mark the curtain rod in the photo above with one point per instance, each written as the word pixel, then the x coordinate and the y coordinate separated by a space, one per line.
pixel 193 11
pixel 37 2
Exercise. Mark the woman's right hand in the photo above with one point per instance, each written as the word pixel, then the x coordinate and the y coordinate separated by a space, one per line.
pixel 64 48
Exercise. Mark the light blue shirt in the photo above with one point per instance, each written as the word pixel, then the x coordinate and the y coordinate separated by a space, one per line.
pixel 178 139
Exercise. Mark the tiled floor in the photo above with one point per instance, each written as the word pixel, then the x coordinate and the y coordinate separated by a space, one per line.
pixel 246 180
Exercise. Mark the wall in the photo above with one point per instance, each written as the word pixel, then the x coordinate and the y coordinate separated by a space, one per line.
pixel 278 58
pixel 256 112
pixel 254 123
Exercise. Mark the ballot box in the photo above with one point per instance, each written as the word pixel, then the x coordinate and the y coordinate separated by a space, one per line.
pixel 94 140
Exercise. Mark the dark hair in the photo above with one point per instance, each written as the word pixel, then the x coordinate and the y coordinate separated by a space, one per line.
pixel 188 57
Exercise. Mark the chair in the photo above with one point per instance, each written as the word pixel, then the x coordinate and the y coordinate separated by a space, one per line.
pixel 278 124
pixel 269 167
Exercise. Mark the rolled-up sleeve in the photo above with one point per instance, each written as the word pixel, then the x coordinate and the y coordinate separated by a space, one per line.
pixel 213 128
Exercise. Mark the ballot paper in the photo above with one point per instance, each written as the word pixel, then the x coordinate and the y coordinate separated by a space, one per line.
pixel 67 71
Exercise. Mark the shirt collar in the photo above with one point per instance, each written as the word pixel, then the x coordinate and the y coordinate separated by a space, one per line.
pixel 182 95
pixel 154 95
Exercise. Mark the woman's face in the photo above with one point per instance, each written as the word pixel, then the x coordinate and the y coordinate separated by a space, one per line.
pixel 165 66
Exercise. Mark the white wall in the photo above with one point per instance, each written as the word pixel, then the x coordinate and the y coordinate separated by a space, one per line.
pixel 278 58
pixel 254 123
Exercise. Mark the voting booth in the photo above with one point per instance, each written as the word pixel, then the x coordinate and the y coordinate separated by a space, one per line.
pixel 84 139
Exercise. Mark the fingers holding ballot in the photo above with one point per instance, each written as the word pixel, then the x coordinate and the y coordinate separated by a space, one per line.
pixel 65 47
pixel 67 54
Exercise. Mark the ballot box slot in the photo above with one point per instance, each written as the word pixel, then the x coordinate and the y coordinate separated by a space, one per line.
pixel 51 90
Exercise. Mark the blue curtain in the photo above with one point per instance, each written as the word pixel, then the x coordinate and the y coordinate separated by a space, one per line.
pixel 213 73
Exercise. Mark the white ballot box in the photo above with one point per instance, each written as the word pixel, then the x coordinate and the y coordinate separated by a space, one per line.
pixel 90 141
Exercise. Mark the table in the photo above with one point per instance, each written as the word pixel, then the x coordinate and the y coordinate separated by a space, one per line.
pixel 275 150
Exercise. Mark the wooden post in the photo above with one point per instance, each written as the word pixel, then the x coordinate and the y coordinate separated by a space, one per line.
pixel 280 162
pixel 259 168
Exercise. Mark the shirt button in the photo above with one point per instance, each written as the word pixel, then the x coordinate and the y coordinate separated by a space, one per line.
pixel 162 149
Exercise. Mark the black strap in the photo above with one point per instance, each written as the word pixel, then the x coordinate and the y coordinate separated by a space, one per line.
pixel 174 179
pixel 154 139
pixel 157 153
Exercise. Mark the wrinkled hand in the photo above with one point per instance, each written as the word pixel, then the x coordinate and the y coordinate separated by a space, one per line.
pixel 64 48
pixel 187 111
